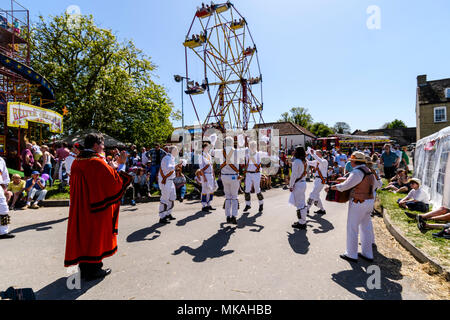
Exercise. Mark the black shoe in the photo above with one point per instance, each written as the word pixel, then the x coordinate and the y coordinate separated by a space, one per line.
pixel 343 256
pixel 170 217
pixel 211 208
pixel 7 236
pixel 228 219
pixel 365 258
pixel 411 215
pixel 441 234
pixel 421 224
pixel 164 221
pixel 233 220
pixel 321 212
pixel 100 274
pixel 261 208
pixel 297 225
pixel 247 208
pixel 205 209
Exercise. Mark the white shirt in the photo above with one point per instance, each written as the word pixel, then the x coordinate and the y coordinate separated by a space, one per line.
pixel 418 195
pixel 234 156
pixel 167 165
pixel 298 168
pixel 4 172
pixel 205 159
pixel 355 178
pixel 144 158
pixel 254 159
pixel 69 161
pixel 323 165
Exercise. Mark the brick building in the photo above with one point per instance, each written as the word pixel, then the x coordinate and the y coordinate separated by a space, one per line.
pixel 290 134
pixel 432 106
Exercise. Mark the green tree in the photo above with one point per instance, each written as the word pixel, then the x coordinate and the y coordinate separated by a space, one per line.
pixel 320 129
pixel 298 115
pixel 105 85
pixel 396 124
pixel 342 128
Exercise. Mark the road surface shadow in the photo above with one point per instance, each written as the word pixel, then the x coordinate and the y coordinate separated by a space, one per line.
pixel 58 290
pixel 198 215
pixel 211 248
pixel 299 241
pixel 39 226
pixel 356 281
pixel 247 221
pixel 142 235
pixel 325 225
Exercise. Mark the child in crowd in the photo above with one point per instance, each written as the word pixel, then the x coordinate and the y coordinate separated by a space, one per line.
pixel 417 199
pixel 17 187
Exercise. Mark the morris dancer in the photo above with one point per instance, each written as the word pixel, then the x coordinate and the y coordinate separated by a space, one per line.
pixel 166 175
pixel 321 173
pixel 253 175
pixel 362 183
pixel 207 178
pixel 5 219
pixel 230 179
pixel 297 186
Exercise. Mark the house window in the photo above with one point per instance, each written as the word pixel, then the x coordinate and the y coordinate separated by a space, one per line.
pixel 440 114
pixel 447 93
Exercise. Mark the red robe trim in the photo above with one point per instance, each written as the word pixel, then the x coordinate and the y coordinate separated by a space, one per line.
pixel 96 190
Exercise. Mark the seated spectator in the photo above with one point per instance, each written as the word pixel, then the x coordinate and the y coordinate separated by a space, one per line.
pixel 445 228
pixel 441 214
pixel 417 199
pixel 140 184
pixel 399 183
pixel 17 187
pixel 180 184
pixel 35 187
pixel 335 171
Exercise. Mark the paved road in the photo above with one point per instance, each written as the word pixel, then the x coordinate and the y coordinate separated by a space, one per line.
pixel 197 257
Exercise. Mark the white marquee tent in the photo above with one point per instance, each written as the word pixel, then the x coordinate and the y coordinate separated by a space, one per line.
pixel 432 166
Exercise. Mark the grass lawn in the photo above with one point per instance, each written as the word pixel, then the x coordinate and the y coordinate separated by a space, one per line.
pixel 437 248
pixel 54 194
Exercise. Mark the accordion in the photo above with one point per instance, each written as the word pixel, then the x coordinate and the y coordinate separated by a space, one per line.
pixel 337 196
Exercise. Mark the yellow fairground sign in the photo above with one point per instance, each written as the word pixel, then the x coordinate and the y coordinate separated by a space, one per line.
pixel 19 114
pixel 364 141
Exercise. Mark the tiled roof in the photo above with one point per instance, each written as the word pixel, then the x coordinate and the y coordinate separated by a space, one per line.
pixel 434 92
pixel 286 128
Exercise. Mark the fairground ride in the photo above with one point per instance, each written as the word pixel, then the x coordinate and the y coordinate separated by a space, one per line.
pixel 18 81
pixel 223 73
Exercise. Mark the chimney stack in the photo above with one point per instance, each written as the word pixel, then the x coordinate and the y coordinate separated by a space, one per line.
pixel 421 80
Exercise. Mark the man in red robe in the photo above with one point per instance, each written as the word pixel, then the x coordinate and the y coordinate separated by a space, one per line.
pixel 95 193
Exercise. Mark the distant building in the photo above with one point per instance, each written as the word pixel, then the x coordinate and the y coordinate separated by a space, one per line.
pixel 402 136
pixel 432 106
pixel 291 134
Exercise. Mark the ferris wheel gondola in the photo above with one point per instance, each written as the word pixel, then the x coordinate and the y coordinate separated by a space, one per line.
pixel 219 43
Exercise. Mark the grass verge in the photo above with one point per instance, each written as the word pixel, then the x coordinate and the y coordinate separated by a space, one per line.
pixel 437 248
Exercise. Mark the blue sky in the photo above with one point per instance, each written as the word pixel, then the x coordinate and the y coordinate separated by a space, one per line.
pixel 314 54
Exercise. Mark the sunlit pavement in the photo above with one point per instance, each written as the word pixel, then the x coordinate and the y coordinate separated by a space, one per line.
pixel 198 256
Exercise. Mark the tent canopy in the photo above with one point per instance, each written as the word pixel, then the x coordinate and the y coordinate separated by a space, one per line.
pixel 110 142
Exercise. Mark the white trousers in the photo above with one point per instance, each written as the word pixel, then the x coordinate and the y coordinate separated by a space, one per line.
pixel 253 180
pixel 168 197
pixel 231 190
pixel 4 212
pixel 208 189
pixel 297 199
pixel 359 221
pixel 314 197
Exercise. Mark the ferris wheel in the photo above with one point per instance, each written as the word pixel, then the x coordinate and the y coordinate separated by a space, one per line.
pixel 225 87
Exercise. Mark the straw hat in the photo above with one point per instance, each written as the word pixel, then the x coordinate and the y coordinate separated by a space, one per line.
pixel 358 156
pixel 415 180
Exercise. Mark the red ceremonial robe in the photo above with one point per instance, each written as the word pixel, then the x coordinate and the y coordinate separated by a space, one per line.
pixel 96 190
